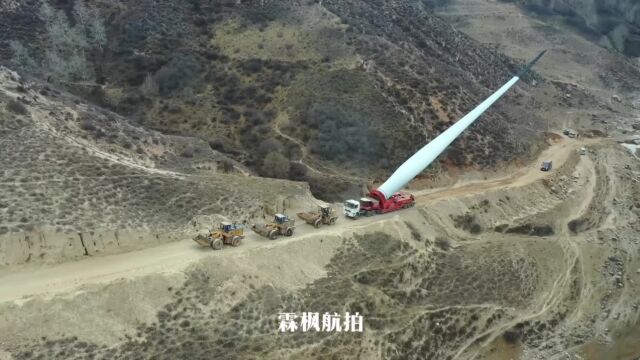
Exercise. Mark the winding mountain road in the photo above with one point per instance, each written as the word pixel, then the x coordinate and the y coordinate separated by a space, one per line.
pixel 174 257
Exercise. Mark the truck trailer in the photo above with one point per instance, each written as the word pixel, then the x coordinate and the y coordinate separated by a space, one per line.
pixel 386 197
pixel 377 203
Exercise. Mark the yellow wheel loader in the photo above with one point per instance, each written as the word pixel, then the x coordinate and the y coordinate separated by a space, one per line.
pixel 226 234
pixel 325 215
pixel 281 225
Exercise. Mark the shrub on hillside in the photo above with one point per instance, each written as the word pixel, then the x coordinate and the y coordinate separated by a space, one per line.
pixel 217 144
pixel 343 134
pixel 467 222
pixel 270 145
pixel 252 66
pixel 332 189
pixel 177 74
pixel 226 166
pixel 87 125
pixel 188 151
pixel 443 243
pixel 512 336
pixel 17 107
pixel 275 165
pixel 297 171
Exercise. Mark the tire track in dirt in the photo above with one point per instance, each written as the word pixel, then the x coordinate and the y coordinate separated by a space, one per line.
pixel 573 257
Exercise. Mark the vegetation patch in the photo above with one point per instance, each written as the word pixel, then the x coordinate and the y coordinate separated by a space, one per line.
pixel 531 229
pixel 16 107
pixel 467 222
pixel 394 286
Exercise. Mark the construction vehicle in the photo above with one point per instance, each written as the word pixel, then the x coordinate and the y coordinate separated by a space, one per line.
pixel 376 203
pixel 325 215
pixel 226 234
pixel 282 225
pixel 546 165
pixel 570 133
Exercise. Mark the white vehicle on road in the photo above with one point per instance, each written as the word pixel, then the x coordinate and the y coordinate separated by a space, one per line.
pixel 352 209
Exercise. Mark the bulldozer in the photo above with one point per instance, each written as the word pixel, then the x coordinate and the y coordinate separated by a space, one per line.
pixel 281 225
pixel 325 215
pixel 226 234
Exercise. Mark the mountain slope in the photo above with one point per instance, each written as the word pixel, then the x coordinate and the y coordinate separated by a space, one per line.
pixel 359 84
pixel 78 180
pixel 613 23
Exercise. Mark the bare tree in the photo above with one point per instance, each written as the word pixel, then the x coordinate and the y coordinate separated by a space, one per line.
pixel 91 22
pixel 66 47
pixel 64 55
pixel 99 33
pixel 22 59
pixel 149 87
pixel 82 14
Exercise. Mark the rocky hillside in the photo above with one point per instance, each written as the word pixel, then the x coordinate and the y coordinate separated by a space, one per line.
pixel 335 93
pixel 613 23
pixel 81 181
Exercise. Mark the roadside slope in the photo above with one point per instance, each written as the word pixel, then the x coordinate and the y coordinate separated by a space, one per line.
pixel 176 256
pixel 80 181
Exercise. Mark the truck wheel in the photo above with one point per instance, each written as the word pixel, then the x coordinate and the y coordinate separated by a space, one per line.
pixel 273 235
pixel 332 221
pixel 316 224
pixel 216 244
pixel 289 232
pixel 235 241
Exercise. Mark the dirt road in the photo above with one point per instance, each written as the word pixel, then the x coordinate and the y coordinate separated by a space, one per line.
pixel 558 153
pixel 175 257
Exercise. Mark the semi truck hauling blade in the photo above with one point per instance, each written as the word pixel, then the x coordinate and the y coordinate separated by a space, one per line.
pixel 387 198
